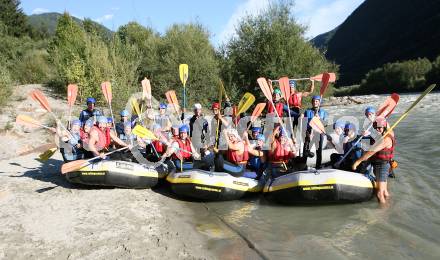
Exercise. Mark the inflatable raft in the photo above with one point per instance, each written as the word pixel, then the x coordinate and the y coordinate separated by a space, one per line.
pixel 319 186
pixel 118 174
pixel 213 186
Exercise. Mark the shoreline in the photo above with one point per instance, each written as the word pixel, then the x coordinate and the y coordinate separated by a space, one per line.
pixel 45 216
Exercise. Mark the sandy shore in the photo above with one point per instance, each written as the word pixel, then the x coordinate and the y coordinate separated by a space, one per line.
pixel 45 217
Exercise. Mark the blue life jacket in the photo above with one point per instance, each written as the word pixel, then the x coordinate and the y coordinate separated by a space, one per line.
pixel 356 153
pixel 310 113
pixel 86 114
pixel 71 152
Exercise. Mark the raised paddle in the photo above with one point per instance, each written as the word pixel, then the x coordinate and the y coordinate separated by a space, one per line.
pixel 172 99
pixel 40 98
pixel 245 103
pixel 72 92
pixel 29 121
pixel 268 94
pixel 316 78
pixel 135 107
pixel 106 88
pixel 76 165
pixel 324 83
pixel 405 114
pixel 285 89
pixel 256 113
pixel 146 90
pixel 183 73
pixel 384 110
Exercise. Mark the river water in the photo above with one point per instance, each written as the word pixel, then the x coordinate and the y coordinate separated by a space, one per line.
pixel 407 228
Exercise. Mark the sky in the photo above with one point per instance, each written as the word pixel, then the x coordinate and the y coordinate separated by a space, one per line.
pixel 220 17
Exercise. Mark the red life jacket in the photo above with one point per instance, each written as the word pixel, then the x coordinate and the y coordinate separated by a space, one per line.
pixel 102 138
pixel 84 136
pixel 278 106
pixel 385 154
pixel 295 100
pixel 236 158
pixel 184 146
pixel 108 139
pixel 159 146
pixel 280 154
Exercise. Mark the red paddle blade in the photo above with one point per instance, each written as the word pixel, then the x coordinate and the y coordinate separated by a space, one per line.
pixel 324 83
pixel 319 77
pixel 146 88
pixel 107 90
pixel 284 86
pixel 388 106
pixel 72 92
pixel 265 88
pixel 258 110
pixel 172 99
pixel 317 125
pixel 40 98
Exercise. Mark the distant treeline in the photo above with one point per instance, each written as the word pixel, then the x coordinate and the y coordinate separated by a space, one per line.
pixel 400 77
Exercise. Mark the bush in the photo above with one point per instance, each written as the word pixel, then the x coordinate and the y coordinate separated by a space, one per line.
pixel 407 76
pixel 33 68
pixel 5 85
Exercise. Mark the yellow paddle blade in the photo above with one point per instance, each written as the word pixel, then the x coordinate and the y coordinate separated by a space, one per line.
pixel 47 154
pixel 183 72
pixel 143 132
pixel 135 106
pixel 245 103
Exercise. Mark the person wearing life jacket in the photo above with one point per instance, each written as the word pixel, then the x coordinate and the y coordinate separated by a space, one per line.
pixel 71 149
pixel 255 132
pixel 163 119
pixel 182 151
pixel 257 156
pixel 128 137
pixel 156 148
pixel 237 154
pixel 295 99
pixel 101 137
pixel 380 156
pixel 282 150
pixel 90 111
pixel 277 101
pixel 121 124
pixel 314 111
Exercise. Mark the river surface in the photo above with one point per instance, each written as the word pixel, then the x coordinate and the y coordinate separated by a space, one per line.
pixel 408 227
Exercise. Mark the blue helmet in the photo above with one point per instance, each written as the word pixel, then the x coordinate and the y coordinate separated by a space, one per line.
pixel 261 137
pixel 292 83
pixel 256 129
pixel 370 110
pixel 350 126
pixel 283 132
pixel 124 113
pixel 90 100
pixel 75 122
pixel 184 129
pixel 162 106
pixel 102 120
pixel 339 124
pixel 109 120
pixel 316 98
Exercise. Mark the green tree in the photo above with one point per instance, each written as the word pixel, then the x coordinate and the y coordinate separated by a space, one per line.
pixel 433 76
pixel 13 17
pixel 188 43
pixel 407 76
pixel 270 44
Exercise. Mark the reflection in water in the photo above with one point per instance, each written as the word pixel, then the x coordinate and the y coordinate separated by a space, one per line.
pixel 407 227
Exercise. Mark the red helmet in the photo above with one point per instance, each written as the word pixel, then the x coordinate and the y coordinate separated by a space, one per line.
pixel 215 105
pixel 380 122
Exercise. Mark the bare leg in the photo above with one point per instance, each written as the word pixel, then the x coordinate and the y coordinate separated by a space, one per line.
pixel 381 191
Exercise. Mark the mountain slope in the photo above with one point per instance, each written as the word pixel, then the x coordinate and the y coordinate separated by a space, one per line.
pixel 379 32
pixel 47 22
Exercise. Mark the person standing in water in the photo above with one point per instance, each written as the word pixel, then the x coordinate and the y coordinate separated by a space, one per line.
pixel 380 157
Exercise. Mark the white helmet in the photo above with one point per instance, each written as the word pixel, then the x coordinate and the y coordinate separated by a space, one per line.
pixel 197 106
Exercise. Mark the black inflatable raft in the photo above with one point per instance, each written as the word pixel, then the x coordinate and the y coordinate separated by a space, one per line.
pixel 118 174
pixel 319 186
pixel 213 186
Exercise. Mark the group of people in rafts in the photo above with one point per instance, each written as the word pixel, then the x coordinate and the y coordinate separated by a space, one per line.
pixel 93 134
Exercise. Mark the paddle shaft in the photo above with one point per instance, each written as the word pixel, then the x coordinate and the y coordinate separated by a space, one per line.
pixel 352 147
